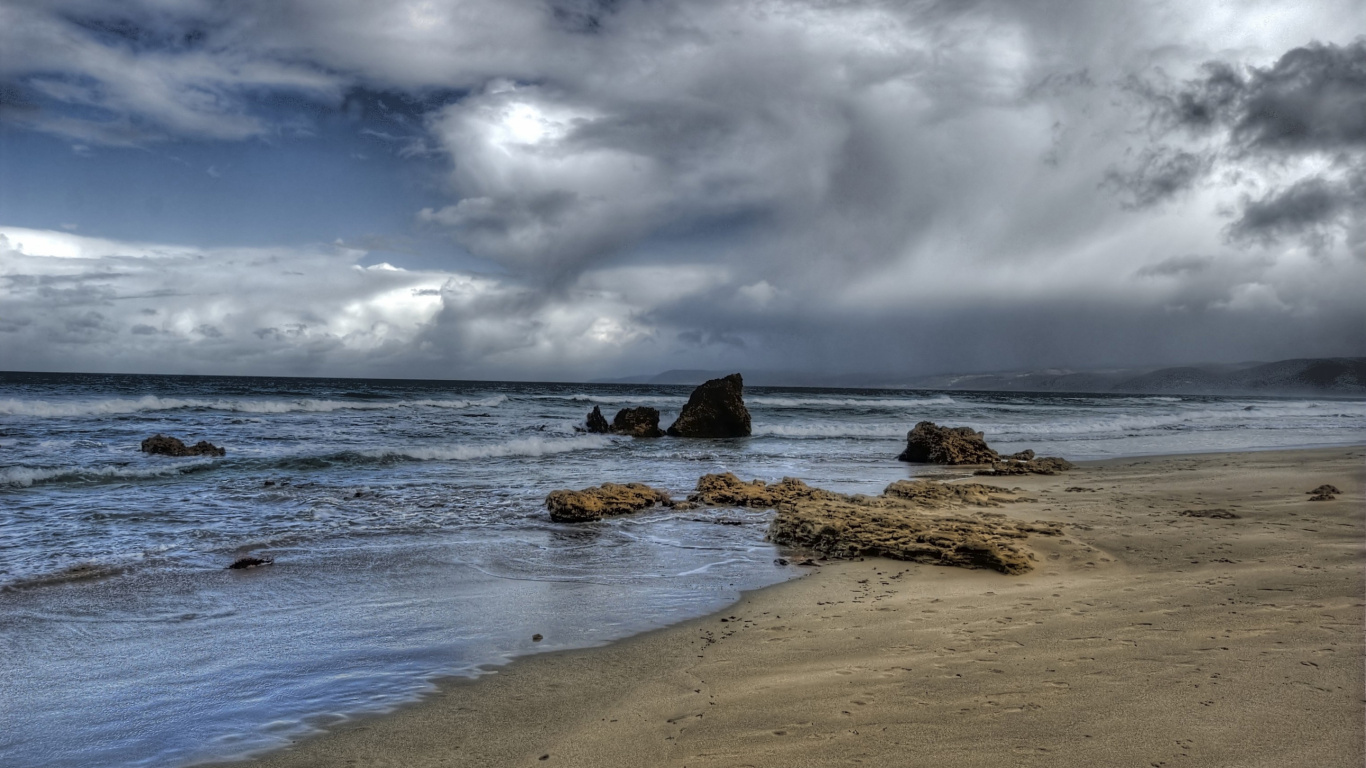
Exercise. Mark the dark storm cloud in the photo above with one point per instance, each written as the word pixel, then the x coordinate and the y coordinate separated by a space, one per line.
pixel 1309 104
pixel 1313 99
pixel 1311 207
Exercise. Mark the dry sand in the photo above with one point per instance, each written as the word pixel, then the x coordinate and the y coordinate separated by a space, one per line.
pixel 1143 637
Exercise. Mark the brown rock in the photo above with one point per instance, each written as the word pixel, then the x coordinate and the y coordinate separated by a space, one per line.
pixel 597 423
pixel 1047 465
pixel 929 443
pixel 715 409
pixel 1324 492
pixel 171 446
pixel 727 490
pixel 637 422
pixel 607 500
pixel 1213 514
pixel 908 522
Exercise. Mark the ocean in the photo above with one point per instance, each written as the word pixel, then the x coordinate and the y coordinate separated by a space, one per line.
pixel 410 540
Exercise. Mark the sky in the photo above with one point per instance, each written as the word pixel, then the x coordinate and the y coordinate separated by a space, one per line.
pixel 579 189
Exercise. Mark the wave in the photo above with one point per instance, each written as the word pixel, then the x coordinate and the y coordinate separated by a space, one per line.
pixel 151 403
pixel 624 399
pixel 849 402
pixel 527 446
pixel 23 477
pixel 831 430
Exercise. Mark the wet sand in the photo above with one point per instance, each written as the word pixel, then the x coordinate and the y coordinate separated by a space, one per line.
pixel 1143 637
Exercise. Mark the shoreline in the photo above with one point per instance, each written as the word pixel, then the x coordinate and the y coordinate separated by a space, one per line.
pixel 972 666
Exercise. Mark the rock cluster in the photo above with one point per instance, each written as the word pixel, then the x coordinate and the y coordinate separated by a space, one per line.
pixel 1324 492
pixel 607 500
pixel 715 409
pixel 929 443
pixel 636 422
pixel 172 446
pixel 908 522
pixel 917 520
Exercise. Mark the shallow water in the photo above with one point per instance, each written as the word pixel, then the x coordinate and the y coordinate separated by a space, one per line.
pixel 410 540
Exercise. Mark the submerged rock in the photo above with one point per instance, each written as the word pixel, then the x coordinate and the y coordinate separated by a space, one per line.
pixel 929 443
pixel 607 500
pixel 171 446
pixel 242 563
pixel 908 522
pixel 597 423
pixel 637 422
pixel 715 409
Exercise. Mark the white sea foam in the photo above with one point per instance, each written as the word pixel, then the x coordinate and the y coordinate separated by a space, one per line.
pixel 834 430
pixel 849 402
pixel 623 399
pixel 23 477
pixel 527 446
pixel 150 403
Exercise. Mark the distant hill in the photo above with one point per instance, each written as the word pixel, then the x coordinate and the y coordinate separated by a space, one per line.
pixel 1324 376
pixel 1333 376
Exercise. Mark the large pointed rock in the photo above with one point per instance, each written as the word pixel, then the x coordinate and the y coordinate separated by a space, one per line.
pixel 715 409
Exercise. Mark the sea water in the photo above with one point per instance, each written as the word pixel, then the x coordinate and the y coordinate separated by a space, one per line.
pixel 409 536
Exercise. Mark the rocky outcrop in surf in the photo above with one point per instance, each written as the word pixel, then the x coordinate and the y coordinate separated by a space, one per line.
pixel 715 409
pixel 607 500
pixel 929 443
pixel 163 445
pixel 634 422
pixel 597 423
pixel 637 422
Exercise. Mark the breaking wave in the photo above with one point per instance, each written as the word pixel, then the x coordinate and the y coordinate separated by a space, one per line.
pixel 850 402
pixel 527 446
pixel 829 431
pixel 149 403
pixel 23 477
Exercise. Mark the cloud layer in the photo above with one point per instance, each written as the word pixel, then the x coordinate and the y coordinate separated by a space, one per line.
pixel 885 187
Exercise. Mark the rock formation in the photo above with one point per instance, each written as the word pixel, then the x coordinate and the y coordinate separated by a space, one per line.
pixel 607 500
pixel 1324 492
pixel 929 443
pixel 715 409
pixel 727 490
pixel 1047 465
pixel 908 522
pixel 637 422
pixel 171 446
pixel 597 423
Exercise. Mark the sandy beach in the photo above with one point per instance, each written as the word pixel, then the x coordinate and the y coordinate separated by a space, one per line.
pixel 1231 635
